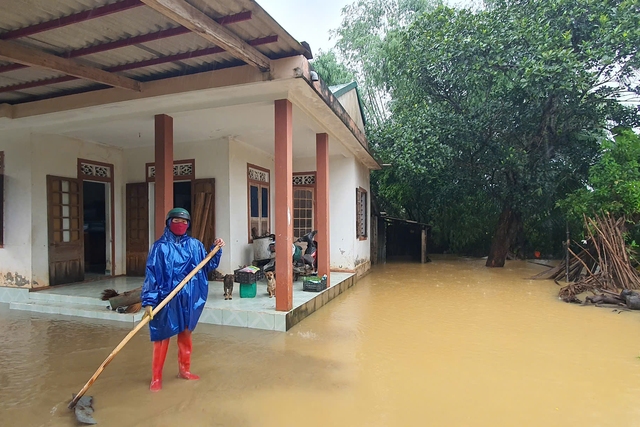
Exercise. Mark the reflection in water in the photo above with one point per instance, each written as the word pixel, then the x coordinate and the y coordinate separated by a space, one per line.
pixel 449 343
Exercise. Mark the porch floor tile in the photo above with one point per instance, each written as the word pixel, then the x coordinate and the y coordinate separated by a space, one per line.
pixel 83 300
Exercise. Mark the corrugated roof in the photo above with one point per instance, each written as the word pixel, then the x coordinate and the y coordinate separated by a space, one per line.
pixel 338 90
pixel 142 42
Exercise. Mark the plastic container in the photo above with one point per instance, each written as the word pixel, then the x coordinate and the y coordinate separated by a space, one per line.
pixel 314 284
pixel 261 248
pixel 247 278
pixel 248 290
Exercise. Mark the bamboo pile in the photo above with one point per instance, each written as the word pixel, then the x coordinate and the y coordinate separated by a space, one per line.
pixel 585 259
pixel 603 265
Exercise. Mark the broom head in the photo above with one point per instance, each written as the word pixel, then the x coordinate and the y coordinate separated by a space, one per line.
pixel 109 293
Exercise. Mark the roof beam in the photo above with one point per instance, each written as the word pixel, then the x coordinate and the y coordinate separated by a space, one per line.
pixel 136 65
pixel 130 41
pixel 6 111
pixel 25 55
pixel 71 19
pixel 186 55
pixel 195 20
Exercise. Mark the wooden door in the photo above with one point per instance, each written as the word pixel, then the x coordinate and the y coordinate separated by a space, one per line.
pixel 203 208
pixel 65 229
pixel 137 207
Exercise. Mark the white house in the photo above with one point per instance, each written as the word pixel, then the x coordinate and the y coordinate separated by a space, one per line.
pixel 113 113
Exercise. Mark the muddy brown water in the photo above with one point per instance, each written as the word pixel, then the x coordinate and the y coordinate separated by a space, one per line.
pixel 449 343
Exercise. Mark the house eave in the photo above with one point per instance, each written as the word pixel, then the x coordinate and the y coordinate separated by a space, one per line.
pixel 360 147
pixel 282 69
pixel 287 75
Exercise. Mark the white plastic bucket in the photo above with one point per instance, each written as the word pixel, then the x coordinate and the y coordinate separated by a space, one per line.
pixel 261 248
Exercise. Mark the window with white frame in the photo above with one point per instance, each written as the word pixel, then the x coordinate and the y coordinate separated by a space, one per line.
pixel 361 213
pixel 303 203
pixel 259 196
pixel 302 211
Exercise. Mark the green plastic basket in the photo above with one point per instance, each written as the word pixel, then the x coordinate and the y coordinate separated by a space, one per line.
pixel 314 284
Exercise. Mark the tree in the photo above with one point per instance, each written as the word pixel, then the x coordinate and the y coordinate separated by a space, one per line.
pixel 614 181
pixel 360 42
pixel 423 184
pixel 513 99
pixel 330 70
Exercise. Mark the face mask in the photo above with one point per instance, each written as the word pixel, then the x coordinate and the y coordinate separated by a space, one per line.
pixel 178 228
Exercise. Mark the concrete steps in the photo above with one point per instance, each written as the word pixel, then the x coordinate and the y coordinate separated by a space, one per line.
pixel 74 306
pixel 42 297
pixel 254 313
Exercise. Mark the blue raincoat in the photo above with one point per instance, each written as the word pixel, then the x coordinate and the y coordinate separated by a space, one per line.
pixel 170 260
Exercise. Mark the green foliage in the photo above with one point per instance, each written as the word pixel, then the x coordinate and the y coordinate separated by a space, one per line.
pixel 613 185
pixel 421 185
pixel 500 108
pixel 331 70
pixel 361 40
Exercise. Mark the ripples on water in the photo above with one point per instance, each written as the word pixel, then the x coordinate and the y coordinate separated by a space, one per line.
pixel 449 343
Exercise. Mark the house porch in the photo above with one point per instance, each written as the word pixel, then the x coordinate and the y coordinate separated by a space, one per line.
pixel 83 301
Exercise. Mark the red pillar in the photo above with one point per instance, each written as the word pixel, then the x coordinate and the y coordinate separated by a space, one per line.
pixel 284 203
pixel 322 204
pixel 164 170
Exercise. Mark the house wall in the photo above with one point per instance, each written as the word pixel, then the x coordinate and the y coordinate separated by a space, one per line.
pixel 30 157
pixel 307 164
pixel 342 211
pixel 211 161
pixel 345 175
pixel 15 255
pixel 240 154
pixel 350 103
pixel 362 259
pixel 225 160
pixel 58 155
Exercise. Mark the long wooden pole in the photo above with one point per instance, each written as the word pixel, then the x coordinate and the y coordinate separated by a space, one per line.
pixel 139 326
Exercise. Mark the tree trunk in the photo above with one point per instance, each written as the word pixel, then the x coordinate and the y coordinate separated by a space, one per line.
pixel 506 231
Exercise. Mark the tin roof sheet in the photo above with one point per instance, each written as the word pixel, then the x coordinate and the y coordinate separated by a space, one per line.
pixel 136 20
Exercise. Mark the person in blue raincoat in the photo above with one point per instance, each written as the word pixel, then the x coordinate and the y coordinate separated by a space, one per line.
pixel 171 258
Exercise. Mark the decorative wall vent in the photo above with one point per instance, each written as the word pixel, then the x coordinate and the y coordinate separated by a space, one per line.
pixel 258 175
pixel 308 179
pixel 94 170
pixel 181 169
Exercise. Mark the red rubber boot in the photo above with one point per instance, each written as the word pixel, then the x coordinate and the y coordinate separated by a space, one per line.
pixel 184 355
pixel 159 354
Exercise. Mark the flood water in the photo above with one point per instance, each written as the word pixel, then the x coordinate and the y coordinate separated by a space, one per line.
pixel 449 343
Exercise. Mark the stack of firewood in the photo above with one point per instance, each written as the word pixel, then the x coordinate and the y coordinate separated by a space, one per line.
pixel 603 264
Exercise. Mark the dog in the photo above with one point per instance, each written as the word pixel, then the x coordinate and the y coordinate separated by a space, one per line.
pixel 228 286
pixel 271 283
